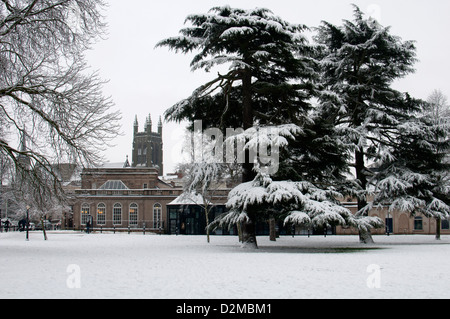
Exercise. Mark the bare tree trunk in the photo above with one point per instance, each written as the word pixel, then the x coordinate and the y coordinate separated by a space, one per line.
pixel 43 229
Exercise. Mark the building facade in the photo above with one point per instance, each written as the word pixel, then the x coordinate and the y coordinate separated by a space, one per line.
pixel 123 199
pixel 398 223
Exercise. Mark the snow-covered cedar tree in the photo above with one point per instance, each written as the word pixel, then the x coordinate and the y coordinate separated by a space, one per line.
pixel 296 202
pixel 360 60
pixel 316 154
pixel 414 177
pixel 269 81
pixel 299 203
pixel 46 91
pixel 319 157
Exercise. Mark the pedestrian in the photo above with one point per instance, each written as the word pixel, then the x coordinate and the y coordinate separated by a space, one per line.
pixel 22 225
pixel 7 224
pixel 88 226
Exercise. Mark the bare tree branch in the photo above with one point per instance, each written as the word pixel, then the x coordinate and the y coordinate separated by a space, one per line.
pixel 46 87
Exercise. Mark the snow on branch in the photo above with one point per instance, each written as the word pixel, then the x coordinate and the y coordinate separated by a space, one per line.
pixel 236 31
pixel 266 135
pixel 301 201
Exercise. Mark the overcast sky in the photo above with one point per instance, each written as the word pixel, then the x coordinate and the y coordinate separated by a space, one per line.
pixel 145 80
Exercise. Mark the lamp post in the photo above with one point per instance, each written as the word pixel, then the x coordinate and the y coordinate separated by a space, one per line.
pixel 28 222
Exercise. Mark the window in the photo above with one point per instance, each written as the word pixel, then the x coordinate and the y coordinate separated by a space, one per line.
pixel 114 186
pixel 133 218
pixel 101 214
pixel 157 215
pixel 389 225
pixel 117 214
pixel 445 225
pixel 85 210
pixel 418 223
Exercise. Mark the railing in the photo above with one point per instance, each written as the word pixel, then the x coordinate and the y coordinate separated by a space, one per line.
pixel 143 192
pixel 143 228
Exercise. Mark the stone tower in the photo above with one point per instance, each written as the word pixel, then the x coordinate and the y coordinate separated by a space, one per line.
pixel 148 146
pixel 23 159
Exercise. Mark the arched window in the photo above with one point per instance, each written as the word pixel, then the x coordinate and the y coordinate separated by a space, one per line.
pixel 117 214
pixel 85 212
pixel 133 218
pixel 101 214
pixel 157 216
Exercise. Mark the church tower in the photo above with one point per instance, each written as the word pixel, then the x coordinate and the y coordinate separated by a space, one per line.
pixel 148 146
pixel 24 160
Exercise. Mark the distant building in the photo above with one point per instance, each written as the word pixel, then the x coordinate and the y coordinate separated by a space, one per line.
pixel 148 146
pixel 123 198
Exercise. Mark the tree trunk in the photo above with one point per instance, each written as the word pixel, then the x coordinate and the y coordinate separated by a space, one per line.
pixel 248 175
pixel 239 229
pixel 207 225
pixel 438 228
pixel 273 229
pixel 365 237
pixel 249 233
pixel 43 229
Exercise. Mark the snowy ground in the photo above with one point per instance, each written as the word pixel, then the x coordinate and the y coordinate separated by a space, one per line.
pixel 75 265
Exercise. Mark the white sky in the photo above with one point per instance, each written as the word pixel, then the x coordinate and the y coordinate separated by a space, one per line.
pixel 145 80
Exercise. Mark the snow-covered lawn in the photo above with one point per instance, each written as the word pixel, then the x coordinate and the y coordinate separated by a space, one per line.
pixel 151 266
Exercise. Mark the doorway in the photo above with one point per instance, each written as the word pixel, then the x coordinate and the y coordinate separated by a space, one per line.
pixel 389 225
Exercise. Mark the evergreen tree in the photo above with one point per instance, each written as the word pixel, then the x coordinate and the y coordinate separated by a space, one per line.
pixel 317 154
pixel 360 60
pixel 414 177
pixel 268 82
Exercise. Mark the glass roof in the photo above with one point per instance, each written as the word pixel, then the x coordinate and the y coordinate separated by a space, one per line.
pixel 114 185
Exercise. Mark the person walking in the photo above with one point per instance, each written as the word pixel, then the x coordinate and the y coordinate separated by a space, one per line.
pixel 88 226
